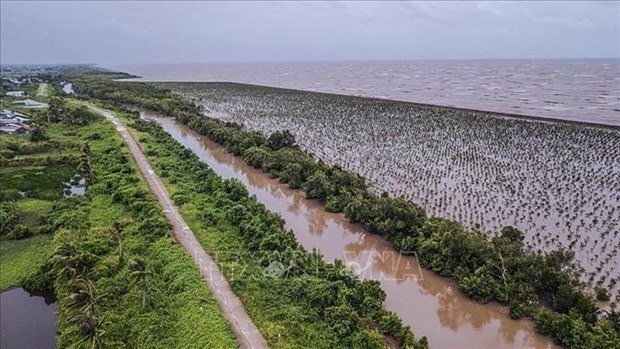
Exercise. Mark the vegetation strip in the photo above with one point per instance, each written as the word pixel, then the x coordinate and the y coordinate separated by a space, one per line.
pixel 245 330
pixel 119 279
pixel 316 304
pixel 497 269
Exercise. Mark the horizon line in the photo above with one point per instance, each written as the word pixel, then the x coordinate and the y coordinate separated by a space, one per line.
pixel 311 61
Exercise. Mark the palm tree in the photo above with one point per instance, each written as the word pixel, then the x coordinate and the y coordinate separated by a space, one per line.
pixel 117 232
pixel 8 217
pixel 84 167
pixel 68 260
pixel 83 294
pixel 89 328
pixel 140 274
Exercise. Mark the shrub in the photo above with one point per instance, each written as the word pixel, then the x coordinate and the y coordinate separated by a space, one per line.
pixel 342 319
pixel 602 294
pixel 281 139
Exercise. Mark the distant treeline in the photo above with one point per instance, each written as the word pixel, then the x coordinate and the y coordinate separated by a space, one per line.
pixel 534 284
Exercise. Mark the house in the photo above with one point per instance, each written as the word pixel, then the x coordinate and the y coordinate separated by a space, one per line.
pixel 14 128
pixel 13 122
pixel 15 93
pixel 29 103
pixel 16 113
pixel 12 113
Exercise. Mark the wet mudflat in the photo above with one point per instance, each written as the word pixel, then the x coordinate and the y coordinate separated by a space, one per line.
pixel 26 321
pixel 431 305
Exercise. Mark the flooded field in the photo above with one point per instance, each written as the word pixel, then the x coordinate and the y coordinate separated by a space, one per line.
pixel 586 90
pixel 431 305
pixel 26 321
pixel 559 183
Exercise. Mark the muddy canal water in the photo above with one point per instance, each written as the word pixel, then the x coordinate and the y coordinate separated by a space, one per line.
pixel 433 306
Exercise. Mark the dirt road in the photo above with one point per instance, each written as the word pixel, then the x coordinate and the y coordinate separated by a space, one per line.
pixel 246 332
pixel 42 91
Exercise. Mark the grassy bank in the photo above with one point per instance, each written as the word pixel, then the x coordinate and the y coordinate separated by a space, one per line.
pixel 19 259
pixel 148 292
pixel 33 181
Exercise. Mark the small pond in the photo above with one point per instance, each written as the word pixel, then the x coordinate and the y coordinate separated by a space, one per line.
pixel 75 186
pixel 26 320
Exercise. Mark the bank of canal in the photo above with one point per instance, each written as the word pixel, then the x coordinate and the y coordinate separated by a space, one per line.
pixel 433 306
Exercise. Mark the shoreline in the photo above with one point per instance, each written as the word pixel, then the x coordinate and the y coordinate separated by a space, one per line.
pixel 486 113
pixel 510 115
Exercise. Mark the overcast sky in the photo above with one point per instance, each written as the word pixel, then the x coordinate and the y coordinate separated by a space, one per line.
pixel 164 32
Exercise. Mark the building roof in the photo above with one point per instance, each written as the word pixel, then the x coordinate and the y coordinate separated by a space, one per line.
pixel 12 128
pixel 32 103
pixel 13 118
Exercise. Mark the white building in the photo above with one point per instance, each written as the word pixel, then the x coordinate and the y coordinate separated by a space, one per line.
pixel 15 93
pixel 29 103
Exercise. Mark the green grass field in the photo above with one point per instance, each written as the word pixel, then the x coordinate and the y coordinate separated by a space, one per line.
pixel 20 258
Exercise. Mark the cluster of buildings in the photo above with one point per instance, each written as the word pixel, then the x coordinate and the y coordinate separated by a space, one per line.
pixel 27 103
pixel 14 122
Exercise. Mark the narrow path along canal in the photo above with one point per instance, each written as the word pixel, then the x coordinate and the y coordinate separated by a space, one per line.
pixel 246 332
pixel 433 306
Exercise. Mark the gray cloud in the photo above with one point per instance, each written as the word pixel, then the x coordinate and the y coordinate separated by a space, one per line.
pixel 136 32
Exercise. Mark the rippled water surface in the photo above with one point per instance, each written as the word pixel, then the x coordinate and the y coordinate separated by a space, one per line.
pixel 576 90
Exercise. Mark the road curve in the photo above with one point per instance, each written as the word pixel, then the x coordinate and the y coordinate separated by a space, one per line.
pixel 245 330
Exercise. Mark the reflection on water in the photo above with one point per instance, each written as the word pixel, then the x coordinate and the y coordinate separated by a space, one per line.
pixel 26 321
pixel 431 305
pixel 75 186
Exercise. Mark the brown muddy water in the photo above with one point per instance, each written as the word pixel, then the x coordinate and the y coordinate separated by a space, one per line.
pixel 433 306
pixel 584 90
pixel 26 320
